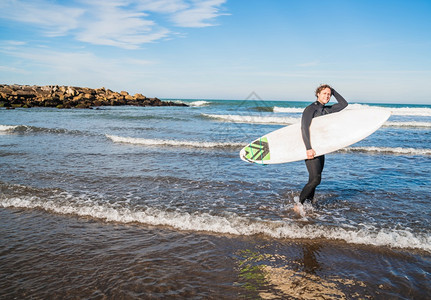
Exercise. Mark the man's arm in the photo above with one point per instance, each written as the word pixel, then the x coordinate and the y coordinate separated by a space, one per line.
pixel 307 116
pixel 342 103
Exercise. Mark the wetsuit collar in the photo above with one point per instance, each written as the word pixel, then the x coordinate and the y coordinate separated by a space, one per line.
pixel 320 109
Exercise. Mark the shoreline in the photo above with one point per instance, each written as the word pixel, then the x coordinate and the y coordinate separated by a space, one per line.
pixel 245 265
pixel 26 96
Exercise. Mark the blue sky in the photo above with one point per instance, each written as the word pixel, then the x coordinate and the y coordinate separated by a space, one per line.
pixel 370 51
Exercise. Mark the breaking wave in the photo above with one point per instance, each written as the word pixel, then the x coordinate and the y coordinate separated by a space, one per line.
pixel 254 119
pixel 10 128
pixel 228 223
pixel 388 150
pixel 200 144
pixel 199 103
pixel 409 111
pixel 33 129
pixel 278 109
pixel 408 124
pixel 175 143
pixel 396 111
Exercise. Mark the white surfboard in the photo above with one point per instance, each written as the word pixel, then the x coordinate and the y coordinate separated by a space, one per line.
pixel 328 133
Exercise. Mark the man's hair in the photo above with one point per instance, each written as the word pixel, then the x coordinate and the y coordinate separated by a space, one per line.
pixel 322 87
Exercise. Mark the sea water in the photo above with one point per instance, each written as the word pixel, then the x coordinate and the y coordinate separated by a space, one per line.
pixel 154 202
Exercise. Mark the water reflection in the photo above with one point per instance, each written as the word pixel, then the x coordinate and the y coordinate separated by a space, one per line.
pixel 298 274
pixel 309 261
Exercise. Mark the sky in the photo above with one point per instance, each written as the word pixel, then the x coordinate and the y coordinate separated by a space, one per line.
pixel 369 51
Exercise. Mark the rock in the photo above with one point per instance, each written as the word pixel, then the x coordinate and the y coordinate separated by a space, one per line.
pixel 82 105
pixel 139 97
pixel 97 103
pixel 79 97
pixel 89 97
pixel 68 97
pixel 70 91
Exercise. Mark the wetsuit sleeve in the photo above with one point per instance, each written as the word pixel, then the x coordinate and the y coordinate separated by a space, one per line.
pixel 342 103
pixel 307 116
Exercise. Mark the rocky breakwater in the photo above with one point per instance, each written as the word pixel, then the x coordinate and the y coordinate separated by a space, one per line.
pixel 12 96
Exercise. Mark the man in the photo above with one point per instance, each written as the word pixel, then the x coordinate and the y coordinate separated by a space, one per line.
pixel 315 164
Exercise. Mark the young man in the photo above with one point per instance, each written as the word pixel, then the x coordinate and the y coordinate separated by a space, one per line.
pixel 316 109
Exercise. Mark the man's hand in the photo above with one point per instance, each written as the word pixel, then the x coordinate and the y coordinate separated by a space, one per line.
pixel 310 154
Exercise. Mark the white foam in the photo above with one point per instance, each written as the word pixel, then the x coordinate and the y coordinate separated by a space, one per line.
pixel 278 109
pixel 254 119
pixel 395 150
pixel 351 106
pixel 299 209
pixel 227 224
pixel 5 128
pixel 289 120
pixel 396 111
pixel 410 111
pixel 175 143
pixel 199 103
pixel 408 124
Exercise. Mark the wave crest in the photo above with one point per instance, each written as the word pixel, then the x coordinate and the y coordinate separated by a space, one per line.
pixel 199 103
pixel 397 150
pixel 278 109
pixel 34 129
pixel 396 111
pixel 175 143
pixel 254 119
pixel 230 223
pixel 408 124
pixel 6 128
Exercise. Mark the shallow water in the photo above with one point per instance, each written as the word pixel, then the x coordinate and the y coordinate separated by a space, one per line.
pixel 127 202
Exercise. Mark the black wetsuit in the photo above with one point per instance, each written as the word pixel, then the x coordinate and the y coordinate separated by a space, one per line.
pixel 315 165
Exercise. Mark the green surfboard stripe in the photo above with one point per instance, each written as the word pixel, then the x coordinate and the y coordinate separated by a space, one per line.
pixel 258 150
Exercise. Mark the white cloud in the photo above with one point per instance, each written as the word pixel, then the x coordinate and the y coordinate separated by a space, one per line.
pixel 120 23
pixel 14 43
pixel 13 70
pixel 200 14
pixel 53 19
pixel 162 6
pixel 70 67
pixel 111 24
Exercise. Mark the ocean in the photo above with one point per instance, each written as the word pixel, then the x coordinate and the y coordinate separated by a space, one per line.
pixel 154 202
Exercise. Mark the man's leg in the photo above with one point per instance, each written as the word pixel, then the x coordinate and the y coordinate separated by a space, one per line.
pixel 315 168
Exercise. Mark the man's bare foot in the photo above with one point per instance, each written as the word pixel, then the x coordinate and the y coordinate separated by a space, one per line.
pixel 298 209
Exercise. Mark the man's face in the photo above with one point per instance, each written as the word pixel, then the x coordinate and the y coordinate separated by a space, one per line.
pixel 324 96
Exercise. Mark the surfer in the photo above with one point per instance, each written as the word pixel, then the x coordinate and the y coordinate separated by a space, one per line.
pixel 315 164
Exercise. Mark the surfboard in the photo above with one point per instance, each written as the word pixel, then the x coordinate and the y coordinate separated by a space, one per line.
pixel 328 133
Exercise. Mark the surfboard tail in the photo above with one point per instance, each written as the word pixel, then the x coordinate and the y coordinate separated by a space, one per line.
pixel 256 152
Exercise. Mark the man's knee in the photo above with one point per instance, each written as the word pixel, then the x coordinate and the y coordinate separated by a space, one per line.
pixel 316 180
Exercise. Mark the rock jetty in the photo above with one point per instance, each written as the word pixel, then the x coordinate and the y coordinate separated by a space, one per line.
pixel 26 96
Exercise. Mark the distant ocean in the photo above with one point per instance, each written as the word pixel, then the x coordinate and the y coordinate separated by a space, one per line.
pixel 154 202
